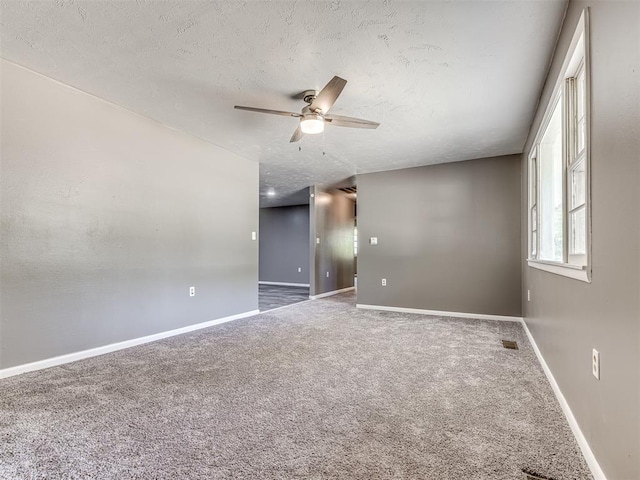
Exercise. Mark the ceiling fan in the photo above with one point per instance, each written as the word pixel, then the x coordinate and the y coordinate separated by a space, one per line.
pixel 314 115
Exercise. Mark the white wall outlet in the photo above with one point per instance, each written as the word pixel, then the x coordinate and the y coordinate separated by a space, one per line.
pixel 528 295
pixel 384 282
pixel 192 291
pixel 299 269
pixel 327 274
pixel 373 240
pixel 595 363
pixel 254 235
pixel 318 240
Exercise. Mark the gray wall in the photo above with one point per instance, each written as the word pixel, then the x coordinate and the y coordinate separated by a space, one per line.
pixel 284 244
pixel 448 237
pixel 108 218
pixel 332 221
pixel 568 317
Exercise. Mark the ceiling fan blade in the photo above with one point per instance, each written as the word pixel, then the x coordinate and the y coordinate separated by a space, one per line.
pixel 264 110
pixel 297 135
pixel 328 95
pixel 341 121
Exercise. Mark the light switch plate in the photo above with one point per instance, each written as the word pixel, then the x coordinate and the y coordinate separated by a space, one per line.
pixel 373 240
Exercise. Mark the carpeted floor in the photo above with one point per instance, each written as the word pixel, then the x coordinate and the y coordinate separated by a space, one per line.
pixel 315 390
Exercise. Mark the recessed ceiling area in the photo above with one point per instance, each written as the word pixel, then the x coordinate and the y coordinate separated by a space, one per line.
pixel 447 80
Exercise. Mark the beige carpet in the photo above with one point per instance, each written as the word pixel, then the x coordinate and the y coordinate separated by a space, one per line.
pixel 315 390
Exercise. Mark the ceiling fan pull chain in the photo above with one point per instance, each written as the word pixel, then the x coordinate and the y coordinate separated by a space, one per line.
pixel 324 143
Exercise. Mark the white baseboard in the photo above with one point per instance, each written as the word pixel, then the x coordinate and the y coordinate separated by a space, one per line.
pixel 284 284
pixel 285 306
pixel 94 352
pixel 328 294
pixel 594 466
pixel 480 316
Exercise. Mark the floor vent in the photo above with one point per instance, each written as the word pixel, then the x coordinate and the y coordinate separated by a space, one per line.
pixel 510 344
pixel 531 475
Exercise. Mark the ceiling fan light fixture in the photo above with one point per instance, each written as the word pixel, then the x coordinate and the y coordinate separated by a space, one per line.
pixel 312 123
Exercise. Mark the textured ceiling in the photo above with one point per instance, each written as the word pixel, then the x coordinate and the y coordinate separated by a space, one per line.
pixel 447 80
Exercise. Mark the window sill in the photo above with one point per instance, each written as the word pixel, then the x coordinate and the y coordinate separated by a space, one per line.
pixel 576 272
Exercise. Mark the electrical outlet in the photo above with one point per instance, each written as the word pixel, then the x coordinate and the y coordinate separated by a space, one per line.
pixel 373 241
pixel 299 269
pixel 192 291
pixel 318 240
pixel 327 274
pixel 254 235
pixel 384 282
pixel 595 363
pixel 528 295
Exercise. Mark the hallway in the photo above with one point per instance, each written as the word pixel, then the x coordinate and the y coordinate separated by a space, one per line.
pixel 276 296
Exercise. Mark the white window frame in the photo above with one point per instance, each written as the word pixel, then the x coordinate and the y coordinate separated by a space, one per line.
pixel 574 265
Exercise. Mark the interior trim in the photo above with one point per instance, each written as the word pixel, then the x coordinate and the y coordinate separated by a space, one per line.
pixel 566 270
pixel 590 458
pixel 479 316
pixel 94 352
pixel 284 284
pixel 328 294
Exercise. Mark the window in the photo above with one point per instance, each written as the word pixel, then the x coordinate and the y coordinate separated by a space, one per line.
pixel 559 200
pixel 550 201
pixel 577 175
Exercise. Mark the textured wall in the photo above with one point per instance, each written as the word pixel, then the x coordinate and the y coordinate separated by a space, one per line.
pixel 568 317
pixel 108 218
pixel 284 244
pixel 332 221
pixel 448 237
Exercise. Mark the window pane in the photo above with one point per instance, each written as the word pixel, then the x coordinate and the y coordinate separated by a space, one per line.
pixel 550 184
pixel 534 233
pixel 534 218
pixel 534 183
pixel 578 226
pixel 580 113
pixel 581 127
pixel 578 184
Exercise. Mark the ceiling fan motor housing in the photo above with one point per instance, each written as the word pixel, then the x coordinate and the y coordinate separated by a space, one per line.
pixel 309 96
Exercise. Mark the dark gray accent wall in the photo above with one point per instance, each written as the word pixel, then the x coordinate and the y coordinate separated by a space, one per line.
pixel 332 222
pixel 568 318
pixel 108 218
pixel 284 244
pixel 448 237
